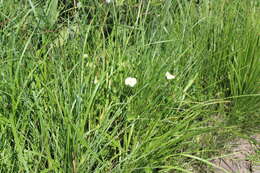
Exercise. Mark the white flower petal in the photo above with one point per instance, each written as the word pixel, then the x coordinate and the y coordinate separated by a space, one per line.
pixel 169 76
pixel 85 55
pixel 130 81
pixel 108 1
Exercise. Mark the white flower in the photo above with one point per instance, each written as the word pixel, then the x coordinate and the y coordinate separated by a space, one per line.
pixel 85 55
pixel 169 76
pixel 130 81
pixel 108 1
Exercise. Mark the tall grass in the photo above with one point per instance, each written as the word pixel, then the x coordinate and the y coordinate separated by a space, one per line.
pixel 63 103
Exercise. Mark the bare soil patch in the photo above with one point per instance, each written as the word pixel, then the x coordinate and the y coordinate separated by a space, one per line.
pixel 242 157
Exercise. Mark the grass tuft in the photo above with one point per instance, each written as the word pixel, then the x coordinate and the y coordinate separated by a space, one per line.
pixel 64 106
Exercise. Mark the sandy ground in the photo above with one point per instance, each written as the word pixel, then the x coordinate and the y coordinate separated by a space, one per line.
pixel 238 160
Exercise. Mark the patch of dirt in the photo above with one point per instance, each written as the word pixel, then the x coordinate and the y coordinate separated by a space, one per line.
pixel 238 160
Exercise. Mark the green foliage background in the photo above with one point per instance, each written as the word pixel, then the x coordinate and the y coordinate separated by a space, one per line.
pixel 54 117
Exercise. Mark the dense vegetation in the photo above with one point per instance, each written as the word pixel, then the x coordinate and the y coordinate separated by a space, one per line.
pixel 64 105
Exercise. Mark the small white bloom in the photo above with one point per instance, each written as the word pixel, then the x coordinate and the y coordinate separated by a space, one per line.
pixel 169 76
pixel 130 81
pixel 85 55
pixel 108 1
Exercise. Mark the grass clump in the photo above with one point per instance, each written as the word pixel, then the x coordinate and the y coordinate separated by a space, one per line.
pixel 64 106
